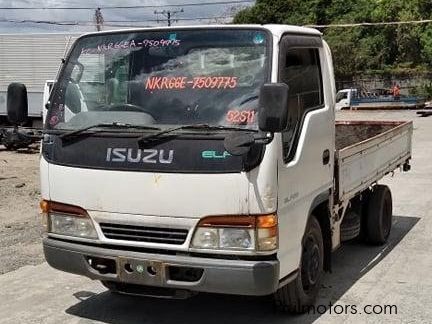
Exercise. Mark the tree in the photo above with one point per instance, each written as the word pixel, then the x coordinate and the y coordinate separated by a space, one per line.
pixel 357 50
pixel 294 12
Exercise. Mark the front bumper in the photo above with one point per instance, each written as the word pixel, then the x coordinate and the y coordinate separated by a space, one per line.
pixel 216 275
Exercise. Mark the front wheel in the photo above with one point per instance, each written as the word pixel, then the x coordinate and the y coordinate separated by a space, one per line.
pixel 298 295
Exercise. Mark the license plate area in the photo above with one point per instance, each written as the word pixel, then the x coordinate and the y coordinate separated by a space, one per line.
pixel 142 272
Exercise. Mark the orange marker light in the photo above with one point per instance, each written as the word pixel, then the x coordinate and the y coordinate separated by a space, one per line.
pixel 266 221
pixel 44 206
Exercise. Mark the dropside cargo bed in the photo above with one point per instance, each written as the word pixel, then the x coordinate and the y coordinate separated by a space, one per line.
pixel 366 151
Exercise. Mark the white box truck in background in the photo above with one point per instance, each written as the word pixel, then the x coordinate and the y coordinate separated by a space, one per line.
pixel 207 159
pixel 30 59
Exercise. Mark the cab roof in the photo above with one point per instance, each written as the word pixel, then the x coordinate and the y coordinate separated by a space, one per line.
pixel 276 30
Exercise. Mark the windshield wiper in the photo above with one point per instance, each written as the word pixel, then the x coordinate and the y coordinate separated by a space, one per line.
pixel 104 125
pixel 146 138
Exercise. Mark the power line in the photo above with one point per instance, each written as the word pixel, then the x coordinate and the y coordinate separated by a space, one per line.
pixel 155 20
pixel 105 23
pixel 62 23
pixel 192 4
pixel 384 23
pixel 158 20
pixel 168 14
pixel 85 23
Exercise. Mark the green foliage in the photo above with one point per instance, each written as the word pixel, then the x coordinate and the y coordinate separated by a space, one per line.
pixel 403 48
pixel 424 90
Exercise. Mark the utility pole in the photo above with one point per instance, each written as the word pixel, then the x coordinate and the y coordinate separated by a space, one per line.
pixel 168 14
pixel 98 18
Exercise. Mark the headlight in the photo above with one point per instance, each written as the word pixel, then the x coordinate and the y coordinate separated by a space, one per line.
pixel 67 220
pixel 242 233
pixel 236 238
pixel 206 238
pixel 223 238
pixel 71 225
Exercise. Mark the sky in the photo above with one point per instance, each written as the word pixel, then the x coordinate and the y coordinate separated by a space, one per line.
pixel 8 18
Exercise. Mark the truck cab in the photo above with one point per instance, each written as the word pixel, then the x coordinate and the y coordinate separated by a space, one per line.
pixel 344 97
pixel 203 159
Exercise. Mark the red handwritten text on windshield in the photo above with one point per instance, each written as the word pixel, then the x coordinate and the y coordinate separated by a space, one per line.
pixel 240 117
pixel 179 83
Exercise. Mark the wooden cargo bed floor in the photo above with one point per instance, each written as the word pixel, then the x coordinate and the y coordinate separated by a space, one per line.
pixel 348 134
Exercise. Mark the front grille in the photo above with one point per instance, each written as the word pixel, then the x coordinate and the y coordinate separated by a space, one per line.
pixel 143 233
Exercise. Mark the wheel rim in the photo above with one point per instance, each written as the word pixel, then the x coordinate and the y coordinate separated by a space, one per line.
pixel 310 270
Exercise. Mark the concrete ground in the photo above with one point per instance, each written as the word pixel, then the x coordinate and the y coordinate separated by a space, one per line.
pixel 395 274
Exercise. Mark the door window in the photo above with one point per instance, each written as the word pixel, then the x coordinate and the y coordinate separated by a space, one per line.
pixel 301 71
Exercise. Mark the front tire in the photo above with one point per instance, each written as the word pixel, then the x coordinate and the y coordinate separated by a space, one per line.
pixel 111 286
pixel 300 294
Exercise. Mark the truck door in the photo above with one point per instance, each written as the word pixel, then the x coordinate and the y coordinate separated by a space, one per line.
pixel 306 161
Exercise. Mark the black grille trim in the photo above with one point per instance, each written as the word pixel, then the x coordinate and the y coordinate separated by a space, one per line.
pixel 144 233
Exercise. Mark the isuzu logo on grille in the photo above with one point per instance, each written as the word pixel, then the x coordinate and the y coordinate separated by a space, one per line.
pixel 123 154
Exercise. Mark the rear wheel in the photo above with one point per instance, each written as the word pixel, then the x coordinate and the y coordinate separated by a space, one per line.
pixel 298 295
pixel 9 147
pixel 379 215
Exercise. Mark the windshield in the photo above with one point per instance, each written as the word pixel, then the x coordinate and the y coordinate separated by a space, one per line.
pixel 163 78
pixel 341 95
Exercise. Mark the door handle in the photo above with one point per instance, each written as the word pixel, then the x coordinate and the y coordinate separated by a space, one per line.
pixel 326 157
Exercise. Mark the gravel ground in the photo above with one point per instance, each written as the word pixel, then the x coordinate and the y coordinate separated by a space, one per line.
pixel 20 225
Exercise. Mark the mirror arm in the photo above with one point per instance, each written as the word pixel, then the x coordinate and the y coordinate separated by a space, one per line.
pixel 264 138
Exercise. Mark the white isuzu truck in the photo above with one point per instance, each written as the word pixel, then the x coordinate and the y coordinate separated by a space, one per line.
pixel 207 159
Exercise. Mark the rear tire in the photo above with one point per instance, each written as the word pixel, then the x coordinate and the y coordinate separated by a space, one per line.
pixel 9 147
pixel 379 215
pixel 300 294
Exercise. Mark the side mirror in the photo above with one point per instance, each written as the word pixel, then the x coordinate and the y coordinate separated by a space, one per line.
pixel 77 72
pixel 72 98
pixel 17 104
pixel 273 107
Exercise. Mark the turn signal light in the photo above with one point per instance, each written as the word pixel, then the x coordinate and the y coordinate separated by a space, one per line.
pixel 47 206
pixel 44 206
pixel 267 221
